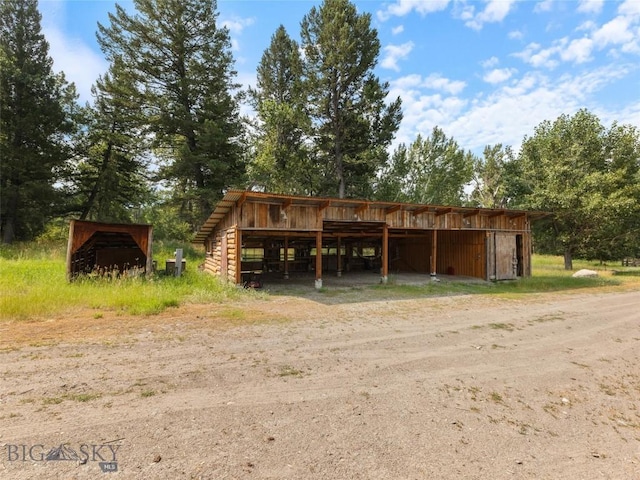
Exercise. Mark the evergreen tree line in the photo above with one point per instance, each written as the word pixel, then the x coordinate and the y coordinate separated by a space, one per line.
pixel 163 138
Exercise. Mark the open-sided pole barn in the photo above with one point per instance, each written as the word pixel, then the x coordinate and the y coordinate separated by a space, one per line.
pixel 108 247
pixel 251 232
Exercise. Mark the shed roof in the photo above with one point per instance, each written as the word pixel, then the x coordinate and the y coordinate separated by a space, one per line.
pixel 233 197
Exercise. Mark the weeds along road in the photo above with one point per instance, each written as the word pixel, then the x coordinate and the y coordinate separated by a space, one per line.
pixel 542 386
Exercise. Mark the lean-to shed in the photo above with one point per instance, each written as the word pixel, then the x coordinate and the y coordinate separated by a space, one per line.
pixel 108 247
pixel 252 232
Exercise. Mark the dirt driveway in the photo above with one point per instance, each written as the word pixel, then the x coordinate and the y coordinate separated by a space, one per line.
pixel 473 387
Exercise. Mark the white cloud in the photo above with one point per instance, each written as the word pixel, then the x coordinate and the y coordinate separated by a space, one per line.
pixel 590 6
pixel 622 33
pixel 578 51
pixel 394 53
pixel 438 82
pixel 523 85
pixel 633 46
pixel 543 6
pixel 582 86
pixel 397 30
pixel 498 75
pixel 516 35
pixel 495 11
pixel 435 110
pixel 588 26
pixel 80 64
pixel 537 57
pixel 407 82
pixel 490 62
pixel 403 7
pixel 509 112
pixel 247 79
pixel 464 12
pixel 630 8
pixel 423 109
pixel 630 115
pixel 237 25
pixel 614 32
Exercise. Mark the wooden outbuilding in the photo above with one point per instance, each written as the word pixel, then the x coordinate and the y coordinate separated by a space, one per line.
pixel 108 247
pixel 252 233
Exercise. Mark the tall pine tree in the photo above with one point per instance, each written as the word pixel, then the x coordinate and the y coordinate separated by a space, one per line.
pixel 181 64
pixel 346 101
pixel 36 111
pixel 111 175
pixel 281 162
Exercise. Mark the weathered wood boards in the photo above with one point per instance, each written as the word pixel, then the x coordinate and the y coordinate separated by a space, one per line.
pixel 484 243
pixel 96 246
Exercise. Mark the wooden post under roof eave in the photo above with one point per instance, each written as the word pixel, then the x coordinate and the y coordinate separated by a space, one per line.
pixel 69 247
pixel 238 256
pixel 319 259
pixel 149 251
pixel 286 257
pixel 434 252
pixel 385 253
pixel 339 260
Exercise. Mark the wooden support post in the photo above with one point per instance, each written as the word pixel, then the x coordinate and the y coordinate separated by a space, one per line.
pixel 149 252
pixel 70 270
pixel 434 252
pixel 385 253
pixel 319 259
pixel 286 258
pixel 339 272
pixel 238 261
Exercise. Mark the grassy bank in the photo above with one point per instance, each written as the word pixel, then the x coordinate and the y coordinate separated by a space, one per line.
pixel 33 284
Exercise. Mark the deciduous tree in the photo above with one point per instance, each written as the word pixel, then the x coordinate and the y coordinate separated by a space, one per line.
pixel 492 182
pixel 587 177
pixel 432 170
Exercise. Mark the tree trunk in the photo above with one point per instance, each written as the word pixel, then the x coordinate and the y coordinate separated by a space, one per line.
pixel 340 173
pixel 8 229
pixel 106 156
pixel 568 260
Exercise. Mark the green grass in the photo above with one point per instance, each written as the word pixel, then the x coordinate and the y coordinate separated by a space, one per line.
pixel 549 275
pixel 33 284
pixel 79 397
pixel 631 272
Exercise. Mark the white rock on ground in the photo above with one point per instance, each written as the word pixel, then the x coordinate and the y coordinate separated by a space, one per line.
pixel 585 273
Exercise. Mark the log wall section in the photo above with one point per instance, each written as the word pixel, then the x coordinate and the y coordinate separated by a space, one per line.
pixel 214 260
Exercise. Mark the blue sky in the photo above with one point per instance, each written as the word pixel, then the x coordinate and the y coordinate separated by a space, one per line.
pixel 485 72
